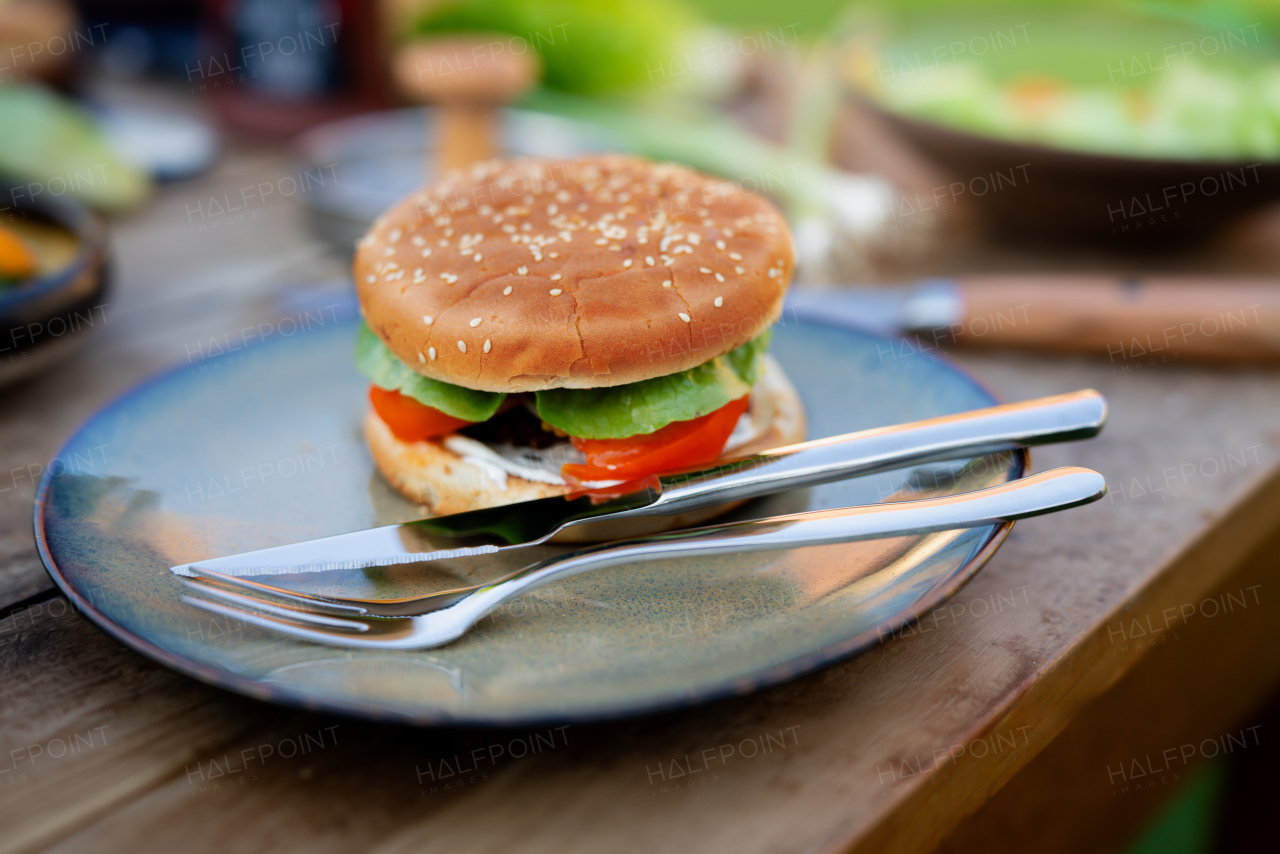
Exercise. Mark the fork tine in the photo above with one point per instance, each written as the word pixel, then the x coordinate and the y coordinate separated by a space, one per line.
pixel 296 614
pixel 273 623
pixel 306 599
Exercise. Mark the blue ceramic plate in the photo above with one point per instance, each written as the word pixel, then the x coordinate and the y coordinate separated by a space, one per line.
pixel 261 447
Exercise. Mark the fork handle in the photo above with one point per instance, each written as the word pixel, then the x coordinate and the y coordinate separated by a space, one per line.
pixel 1062 417
pixel 1030 496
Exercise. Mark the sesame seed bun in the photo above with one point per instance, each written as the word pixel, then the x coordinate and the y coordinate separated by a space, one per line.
pixel 526 274
pixel 443 482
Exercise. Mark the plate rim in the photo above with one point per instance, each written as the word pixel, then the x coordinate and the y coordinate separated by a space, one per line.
pixel 289 696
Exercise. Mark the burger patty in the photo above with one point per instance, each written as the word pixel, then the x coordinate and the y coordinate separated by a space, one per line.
pixel 515 424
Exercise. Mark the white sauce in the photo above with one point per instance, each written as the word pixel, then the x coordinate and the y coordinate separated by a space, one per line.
pixel 743 432
pixel 497 461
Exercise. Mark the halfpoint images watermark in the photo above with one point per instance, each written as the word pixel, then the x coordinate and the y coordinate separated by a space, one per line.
pixel 24 56
pixel 1144 772
pixel 28 757
pixel 449 774
pixel 896 773
pixel 238 769
pixel 685 773
pixel 1169 202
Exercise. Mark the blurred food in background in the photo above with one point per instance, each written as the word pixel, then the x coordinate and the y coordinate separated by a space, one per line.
pixel 18 262
pixel 1103 106
pixel 54 148
pixel 1090 79
pixel 53 280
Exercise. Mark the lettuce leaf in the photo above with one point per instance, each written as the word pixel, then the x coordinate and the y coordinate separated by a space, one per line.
pixel 643 407
pixel 385 370
pixel 598 413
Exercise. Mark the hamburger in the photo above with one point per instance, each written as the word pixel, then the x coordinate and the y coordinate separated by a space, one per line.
pixel 540 327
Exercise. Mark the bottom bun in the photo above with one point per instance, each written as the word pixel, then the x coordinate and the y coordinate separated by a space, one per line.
pixel 444 483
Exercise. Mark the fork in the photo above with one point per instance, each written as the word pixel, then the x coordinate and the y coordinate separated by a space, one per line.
pixel 443 617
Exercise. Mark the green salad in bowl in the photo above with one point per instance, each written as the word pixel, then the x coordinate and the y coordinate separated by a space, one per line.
pixel 1182 81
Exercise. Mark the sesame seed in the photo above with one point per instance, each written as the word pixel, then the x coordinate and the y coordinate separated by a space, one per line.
pixel 426 253
pixel 719 301
pixel 486 345
pixel 626 263
pixel 648 259
pixel 555 277
pixel 667 283
pixel 477 258
pixel 684 317
pixel 371 278
pixel 555 292
pixel 431 351
pixel 720 245
pixel 422 358
pixel 719 277
pixel 389 250
pixel 739 270
pixel 506 292
pixel 704 270
pixel 462 345
pixel 524 271
pixel 735 256
pixel 475 321
pixel 601 241
pixel 449 277
pixel 428 319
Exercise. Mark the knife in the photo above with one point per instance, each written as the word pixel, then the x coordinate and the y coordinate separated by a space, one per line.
pixel 1077 415
pixel 1131 321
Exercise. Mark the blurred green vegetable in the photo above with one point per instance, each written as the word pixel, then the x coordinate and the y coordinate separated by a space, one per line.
pixel 54 148
pixel 587 46
pixel 1167 79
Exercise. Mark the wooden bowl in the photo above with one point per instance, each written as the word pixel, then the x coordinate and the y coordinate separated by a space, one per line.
pixel 1056 194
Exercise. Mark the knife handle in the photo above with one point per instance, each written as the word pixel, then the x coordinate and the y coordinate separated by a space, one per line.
pixel 1131 321
pixel 1062 417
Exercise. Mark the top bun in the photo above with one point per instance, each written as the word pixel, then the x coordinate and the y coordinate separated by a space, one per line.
pixel 521 275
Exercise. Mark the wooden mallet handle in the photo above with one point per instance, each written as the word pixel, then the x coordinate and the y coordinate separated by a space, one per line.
pixel 470 78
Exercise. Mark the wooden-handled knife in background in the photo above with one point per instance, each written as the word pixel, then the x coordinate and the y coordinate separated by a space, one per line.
pixel 1123 319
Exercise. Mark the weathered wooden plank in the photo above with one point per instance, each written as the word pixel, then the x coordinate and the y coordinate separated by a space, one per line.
pixel 1212 662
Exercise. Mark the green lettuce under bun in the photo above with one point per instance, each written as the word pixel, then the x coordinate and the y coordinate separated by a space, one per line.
pixel 615 412
pixel 620 411
pixel 386 371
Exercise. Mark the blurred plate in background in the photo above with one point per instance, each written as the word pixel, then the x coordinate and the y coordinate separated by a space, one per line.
pixel 357 168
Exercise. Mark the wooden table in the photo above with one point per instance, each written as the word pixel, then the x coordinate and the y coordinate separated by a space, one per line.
pixel 1091 640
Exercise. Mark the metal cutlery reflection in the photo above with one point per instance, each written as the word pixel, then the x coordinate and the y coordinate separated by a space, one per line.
pixel 443 617
pixel 468 538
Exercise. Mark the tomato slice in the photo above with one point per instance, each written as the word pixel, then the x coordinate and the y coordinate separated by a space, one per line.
pixel 682 444
pixel 409 420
